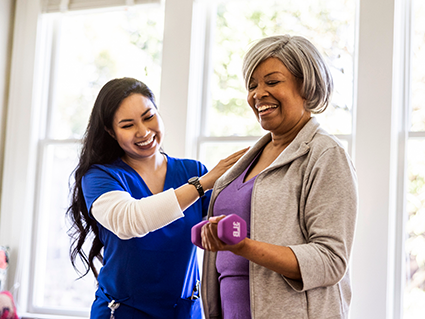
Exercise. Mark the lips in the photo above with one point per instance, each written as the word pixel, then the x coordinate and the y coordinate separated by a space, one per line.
pixel 147 142
pixel 265 107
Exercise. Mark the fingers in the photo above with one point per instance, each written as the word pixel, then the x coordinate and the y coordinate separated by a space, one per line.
pixel 209 178
pixel 233 158
pixel 216 219
pixel 210 240
pixel 228 162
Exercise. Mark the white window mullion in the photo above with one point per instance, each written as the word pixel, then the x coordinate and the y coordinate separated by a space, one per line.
pixel 207 65
pixel 48 40
pixel 175 75
pixel 402 83
pixel 376 158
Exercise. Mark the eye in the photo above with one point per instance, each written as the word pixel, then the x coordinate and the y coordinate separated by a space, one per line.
pixel 252 87
pixel 127 126
pixel 149 117
pixel 272 82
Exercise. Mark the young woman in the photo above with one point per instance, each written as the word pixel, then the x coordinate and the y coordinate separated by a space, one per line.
pixel 139 204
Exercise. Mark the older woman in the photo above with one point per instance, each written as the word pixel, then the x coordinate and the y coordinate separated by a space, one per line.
pixel 296 189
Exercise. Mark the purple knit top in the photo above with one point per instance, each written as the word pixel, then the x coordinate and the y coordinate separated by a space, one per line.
pixel 233 269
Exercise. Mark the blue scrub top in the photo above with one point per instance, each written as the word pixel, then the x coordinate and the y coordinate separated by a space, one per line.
pixel 151 276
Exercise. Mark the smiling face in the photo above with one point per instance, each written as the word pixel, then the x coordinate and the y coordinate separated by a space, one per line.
pixel 274 96
pixel 137 127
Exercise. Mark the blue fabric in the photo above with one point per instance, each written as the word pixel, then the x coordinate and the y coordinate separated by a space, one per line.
pixel 150 275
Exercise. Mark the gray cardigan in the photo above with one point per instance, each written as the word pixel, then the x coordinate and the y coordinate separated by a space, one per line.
pixel 306 200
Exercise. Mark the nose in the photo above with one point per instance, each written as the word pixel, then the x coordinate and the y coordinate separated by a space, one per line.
pixel 142 130
pixel 260 91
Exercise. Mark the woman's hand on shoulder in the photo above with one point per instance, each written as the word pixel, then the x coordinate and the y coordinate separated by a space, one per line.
pixel 209 178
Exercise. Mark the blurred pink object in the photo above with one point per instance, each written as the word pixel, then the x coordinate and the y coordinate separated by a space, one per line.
pixel 7 306
pixel 3 259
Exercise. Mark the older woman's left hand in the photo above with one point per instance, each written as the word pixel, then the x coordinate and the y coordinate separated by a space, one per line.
pixel 280 259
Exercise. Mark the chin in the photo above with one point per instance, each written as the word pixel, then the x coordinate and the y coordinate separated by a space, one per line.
pixel 266 126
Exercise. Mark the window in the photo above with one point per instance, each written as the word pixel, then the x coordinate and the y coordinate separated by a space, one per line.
pixel 229 123
pixel 414 291
pixel 88 48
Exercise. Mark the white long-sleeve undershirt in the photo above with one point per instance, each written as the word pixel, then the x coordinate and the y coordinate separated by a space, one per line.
pixel 127 217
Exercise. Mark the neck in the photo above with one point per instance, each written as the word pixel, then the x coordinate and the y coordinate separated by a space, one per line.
pixel 281 141
pixel 150 164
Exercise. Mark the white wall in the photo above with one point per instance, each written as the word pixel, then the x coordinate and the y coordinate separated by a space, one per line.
pixel 6 24
pixel 20 144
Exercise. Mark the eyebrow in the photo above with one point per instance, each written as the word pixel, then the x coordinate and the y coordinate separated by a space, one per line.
pixel 268 74
pixel 130 120
pixel 271 73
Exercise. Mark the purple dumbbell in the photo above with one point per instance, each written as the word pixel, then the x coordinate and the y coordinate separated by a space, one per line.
pixel 196 234
pixel 231 230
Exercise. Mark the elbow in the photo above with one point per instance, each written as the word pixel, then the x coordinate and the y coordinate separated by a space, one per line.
pixel 127 234
pixel 126 229
pixel 337 269
pixel 123 236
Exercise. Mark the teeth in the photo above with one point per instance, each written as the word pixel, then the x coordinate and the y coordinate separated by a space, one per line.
pixel 265 107
pixel 145 143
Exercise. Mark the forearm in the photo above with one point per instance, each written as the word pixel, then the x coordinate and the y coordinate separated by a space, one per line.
pixel 277 258
pixel 127 217
pixel 280 259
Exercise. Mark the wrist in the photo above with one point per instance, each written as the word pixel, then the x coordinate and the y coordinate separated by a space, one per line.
pixel 206 184
pixel 239 248
pixel 195 181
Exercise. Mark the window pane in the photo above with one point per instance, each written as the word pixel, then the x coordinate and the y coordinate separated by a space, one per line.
pixel 328 24
pixel 418 67
pixel 414 294
pixel 96 47
pixel 212 152
pixel 90 48
pixel 55 283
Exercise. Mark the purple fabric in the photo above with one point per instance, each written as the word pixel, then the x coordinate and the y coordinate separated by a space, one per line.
pixel 233 269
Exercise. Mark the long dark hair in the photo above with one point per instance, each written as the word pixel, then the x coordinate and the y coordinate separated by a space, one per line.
pixel 98 148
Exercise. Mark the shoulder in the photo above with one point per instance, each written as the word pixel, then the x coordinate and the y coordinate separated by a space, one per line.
pixel 114 172
pixel 327 153
pixel 326 149
pixel 117 167
pixel 322 140
pixel 188 165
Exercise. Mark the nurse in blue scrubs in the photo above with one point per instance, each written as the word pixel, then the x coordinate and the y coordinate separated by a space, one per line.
pixel 138 205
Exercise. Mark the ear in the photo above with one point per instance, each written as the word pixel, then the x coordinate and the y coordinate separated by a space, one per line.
pixel 110 132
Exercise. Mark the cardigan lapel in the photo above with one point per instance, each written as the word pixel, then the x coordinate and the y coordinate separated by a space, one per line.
pixel 298 147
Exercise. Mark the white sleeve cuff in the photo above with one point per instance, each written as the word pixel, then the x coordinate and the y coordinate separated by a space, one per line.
pixel 127 217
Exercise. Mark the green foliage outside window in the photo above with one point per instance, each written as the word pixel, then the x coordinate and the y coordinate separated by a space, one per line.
pixel 328 24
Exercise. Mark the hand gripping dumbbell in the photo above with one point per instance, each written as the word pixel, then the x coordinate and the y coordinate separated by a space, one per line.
pixel 231 230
